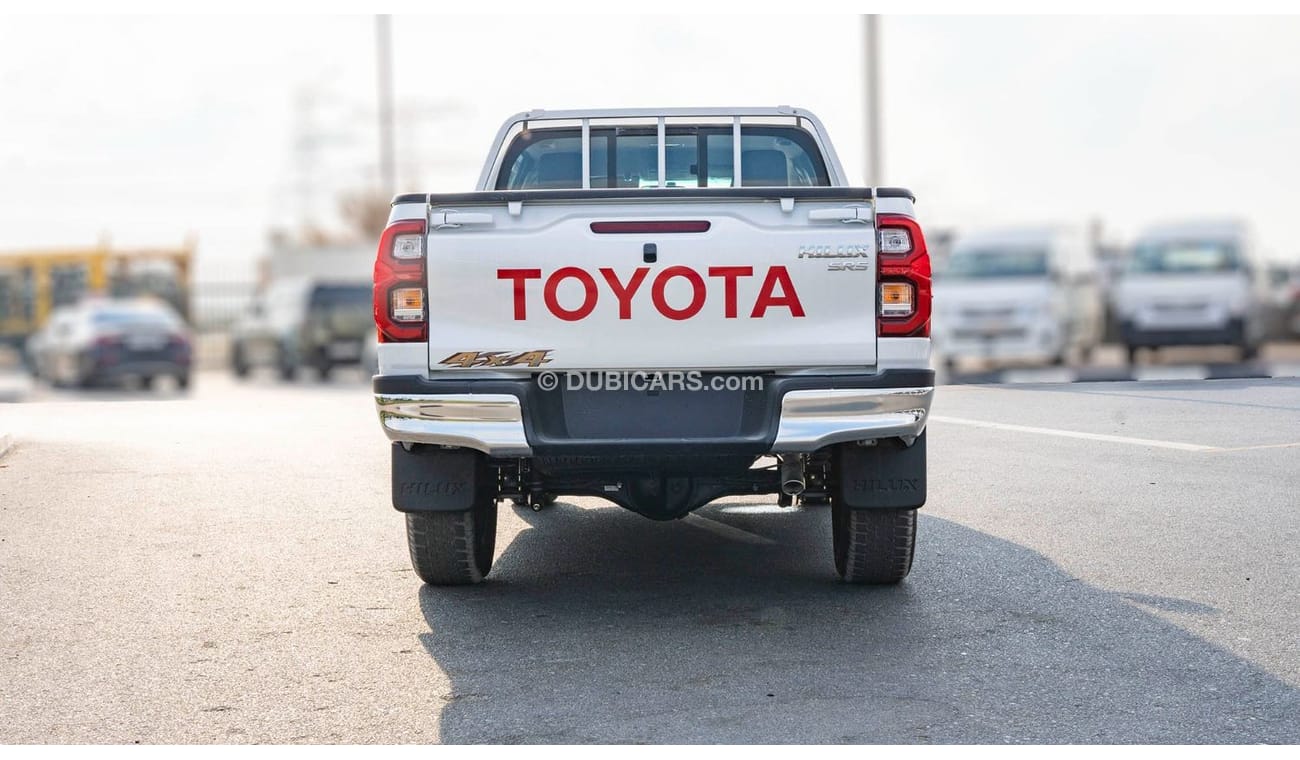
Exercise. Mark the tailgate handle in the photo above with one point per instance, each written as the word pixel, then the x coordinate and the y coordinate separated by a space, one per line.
pixel 849 215
pixel 453 219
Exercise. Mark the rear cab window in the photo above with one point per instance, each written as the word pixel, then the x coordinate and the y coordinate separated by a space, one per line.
pixel 694 156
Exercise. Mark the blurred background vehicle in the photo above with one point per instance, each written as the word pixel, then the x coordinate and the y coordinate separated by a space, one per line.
pixel 100 341
pixel 1192 283
pixel 35 283
pixel 1018 295
pixel 301 322
pixel 1291 308
pixel 370 354
pixel 1283 304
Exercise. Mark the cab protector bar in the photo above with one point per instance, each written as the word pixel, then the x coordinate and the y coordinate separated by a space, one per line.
pixel 622 193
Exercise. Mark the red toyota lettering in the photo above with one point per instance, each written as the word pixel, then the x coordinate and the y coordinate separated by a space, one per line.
pixel 519 276
pixel 623 292
pixel 766 299
pixel 777 290
pixel 588 301
pixel 698 293
pixel 729 276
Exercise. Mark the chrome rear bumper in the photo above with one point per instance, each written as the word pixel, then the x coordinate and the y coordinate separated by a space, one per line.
pixel 808 419
pixel 813 419
pixel 491 423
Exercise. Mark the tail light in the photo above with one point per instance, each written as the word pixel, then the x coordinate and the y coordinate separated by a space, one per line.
pixel 105 349
pixel 903 278
pixel 401 314
pixel 179 346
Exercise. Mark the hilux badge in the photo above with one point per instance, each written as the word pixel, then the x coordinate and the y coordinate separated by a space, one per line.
pixel 849 251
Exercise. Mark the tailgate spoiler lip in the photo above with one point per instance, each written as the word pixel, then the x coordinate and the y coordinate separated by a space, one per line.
pixel 632 193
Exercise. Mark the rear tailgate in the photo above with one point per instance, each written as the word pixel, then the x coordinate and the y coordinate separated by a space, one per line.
pixel 601 280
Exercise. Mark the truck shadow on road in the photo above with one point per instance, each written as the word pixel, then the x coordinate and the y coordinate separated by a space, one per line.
pixel 600 626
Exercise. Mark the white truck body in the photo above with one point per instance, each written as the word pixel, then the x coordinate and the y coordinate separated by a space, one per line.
pixel 782 311
pixel 674 246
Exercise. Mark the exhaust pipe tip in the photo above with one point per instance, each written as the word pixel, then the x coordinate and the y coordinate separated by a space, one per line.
pixel 792 483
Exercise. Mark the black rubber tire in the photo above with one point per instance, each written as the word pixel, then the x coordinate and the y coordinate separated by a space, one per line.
pixel 1249 352
pixel 873 546
pixel 146 382
pixel 183 381
pixel 238 364
pixel 453 548
pixel 286 363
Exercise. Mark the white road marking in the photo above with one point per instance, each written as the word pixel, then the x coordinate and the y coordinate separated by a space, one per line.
pixel 1172 372
pixel 1044 375
pixel 1261 446
pixel 728 531
pixel 1177 446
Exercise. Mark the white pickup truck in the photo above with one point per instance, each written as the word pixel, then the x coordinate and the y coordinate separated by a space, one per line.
pixel 660 308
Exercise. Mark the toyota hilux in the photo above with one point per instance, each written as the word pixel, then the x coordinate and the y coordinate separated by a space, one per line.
pixel 660 308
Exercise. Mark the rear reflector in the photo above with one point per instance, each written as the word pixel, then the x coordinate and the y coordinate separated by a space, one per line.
pixel 633 228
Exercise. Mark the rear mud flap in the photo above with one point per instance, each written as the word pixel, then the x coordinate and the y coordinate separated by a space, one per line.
pixel 888 475
pixel 434 479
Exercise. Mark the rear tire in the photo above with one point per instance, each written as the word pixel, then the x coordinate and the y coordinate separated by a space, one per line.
pixel 453 548
pixel 873 546
pixel 286 363
pixel 238 364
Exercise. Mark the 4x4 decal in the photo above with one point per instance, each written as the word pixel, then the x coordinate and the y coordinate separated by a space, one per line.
pixel 498 359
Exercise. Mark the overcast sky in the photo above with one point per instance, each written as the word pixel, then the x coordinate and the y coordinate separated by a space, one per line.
pixel 146 129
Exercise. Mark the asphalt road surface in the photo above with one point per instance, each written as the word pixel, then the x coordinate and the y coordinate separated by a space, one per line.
pixel 1111 562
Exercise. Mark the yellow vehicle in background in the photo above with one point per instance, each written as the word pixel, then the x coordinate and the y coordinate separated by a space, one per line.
pixel 34 283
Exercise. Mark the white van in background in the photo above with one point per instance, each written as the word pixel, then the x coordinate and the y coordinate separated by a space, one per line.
pixel 1018 295
pixel 1195 283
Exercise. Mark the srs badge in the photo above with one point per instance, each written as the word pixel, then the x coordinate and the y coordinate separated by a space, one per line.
pixel 468 359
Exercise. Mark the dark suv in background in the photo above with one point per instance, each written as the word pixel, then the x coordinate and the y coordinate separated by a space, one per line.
pixel 297 323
